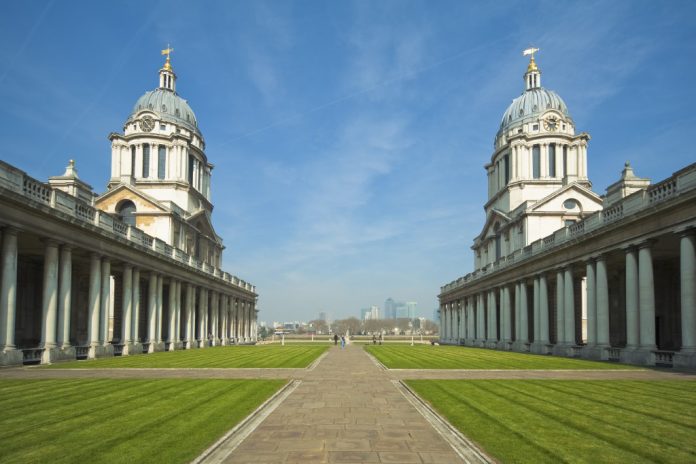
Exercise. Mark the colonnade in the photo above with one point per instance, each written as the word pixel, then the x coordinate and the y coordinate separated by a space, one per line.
pixel 566 310
pixel 120 296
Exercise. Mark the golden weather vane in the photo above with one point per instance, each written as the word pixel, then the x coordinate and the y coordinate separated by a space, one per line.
pixel 167 51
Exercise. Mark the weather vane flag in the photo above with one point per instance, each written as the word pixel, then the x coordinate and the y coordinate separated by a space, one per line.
pixel 167 51
pixel 529 51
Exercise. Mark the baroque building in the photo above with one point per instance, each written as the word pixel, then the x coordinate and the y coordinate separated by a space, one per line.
pixel 134 270
pixel 559 269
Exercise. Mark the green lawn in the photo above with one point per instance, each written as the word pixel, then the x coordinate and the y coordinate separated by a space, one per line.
pixel 263 356
pixel 121 421
pixel 551 421
pixel 460 357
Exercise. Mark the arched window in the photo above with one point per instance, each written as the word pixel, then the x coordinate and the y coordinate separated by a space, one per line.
pixel 126 210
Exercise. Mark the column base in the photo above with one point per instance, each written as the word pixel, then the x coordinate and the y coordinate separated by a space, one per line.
pixel 129 349
pixel 201 343
pixel 100 351
pixel 640 356
pixel 56 354
pixel 191 344
pixel 685 359
pixel 520 346
pixel 595 352
pixel 11 357
pixel 537 348
pixel 155 347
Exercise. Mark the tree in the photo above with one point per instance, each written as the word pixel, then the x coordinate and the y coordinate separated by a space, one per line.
pixel 320 326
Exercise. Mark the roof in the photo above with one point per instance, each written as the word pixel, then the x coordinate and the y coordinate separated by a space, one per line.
pixel 530 105
pixel 169 106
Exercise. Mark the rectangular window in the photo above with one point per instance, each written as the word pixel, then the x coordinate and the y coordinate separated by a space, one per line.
pixel 163 127
pixel 146 161
pixel 565 160
pixel 190 170
pixel 536 162
pixel 161 162
pixel 552 160
pixel 132 160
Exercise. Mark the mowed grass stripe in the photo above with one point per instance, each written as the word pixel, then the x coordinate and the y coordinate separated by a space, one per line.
pixel 584 416
pixel 460 357
pixel 124 421
pixel 261 356
pixel 546 421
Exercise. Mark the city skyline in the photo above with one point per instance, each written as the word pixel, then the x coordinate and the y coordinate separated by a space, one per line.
pixel 348 139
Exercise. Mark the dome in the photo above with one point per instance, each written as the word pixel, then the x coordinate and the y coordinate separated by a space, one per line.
pixel 168 106
pixel 530 105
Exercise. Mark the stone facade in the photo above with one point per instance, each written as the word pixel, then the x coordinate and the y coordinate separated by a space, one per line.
pixel 610 278
pixel 82 278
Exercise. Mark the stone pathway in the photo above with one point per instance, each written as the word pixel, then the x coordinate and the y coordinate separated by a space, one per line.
pixel 347 410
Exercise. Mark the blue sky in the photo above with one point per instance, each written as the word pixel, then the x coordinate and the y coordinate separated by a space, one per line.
pixel 349 138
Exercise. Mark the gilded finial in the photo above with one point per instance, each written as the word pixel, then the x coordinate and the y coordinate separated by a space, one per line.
pixel 167 51
pixel 532 64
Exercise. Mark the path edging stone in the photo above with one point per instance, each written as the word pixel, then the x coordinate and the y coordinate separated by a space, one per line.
pixel 465 448
pixel 222 448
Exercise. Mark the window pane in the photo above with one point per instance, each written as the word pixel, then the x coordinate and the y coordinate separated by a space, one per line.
pixel 552 160
pixel 162 162
pixel 146 161
pixel 536 160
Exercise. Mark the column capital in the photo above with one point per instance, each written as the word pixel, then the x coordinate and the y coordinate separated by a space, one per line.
pixel 646 243
pixel 688 231
pixel 49 241
pixel 7 229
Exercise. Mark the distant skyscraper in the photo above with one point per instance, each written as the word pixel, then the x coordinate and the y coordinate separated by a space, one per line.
pixel 374 310
pixel 322 316
pixel 390 309
pixel 365 314
pixel 411 309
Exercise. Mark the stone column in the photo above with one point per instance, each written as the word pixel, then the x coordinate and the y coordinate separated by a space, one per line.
pixel 8 295
pixel 493 318
pixel 172 336
pixel 508 316
pixel 503 315
pixel 127 309
pixel 544 311
pixel 49 302
pixel 64 297
pixel 152 312
pixel 591 303
pixel 135 325
pixel 480 322
pixel 602 302
pixel 202 335
pixel 560 308
pixel 632 298
pixel 225 320
pixel 94 305
pixel 687 275
pixel 215 316
pixel 518 305
pixel 569 306
pixel 537 311
pixel 647 298
pixel 524 313
pixel 190 322
pixel 178 314
pixel 105 306
pixel 160 310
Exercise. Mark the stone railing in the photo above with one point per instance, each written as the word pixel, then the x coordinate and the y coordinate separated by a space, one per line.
pixel 679 183
pixel 19 182
pixel 664 358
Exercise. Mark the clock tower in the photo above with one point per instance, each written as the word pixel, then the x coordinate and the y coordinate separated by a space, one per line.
pixel 537 174
pixel 160 173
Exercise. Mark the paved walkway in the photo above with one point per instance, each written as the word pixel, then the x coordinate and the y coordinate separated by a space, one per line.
pixel 346 410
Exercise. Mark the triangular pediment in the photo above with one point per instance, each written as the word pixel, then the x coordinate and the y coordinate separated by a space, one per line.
pixel 489 228
pixel 583 196
pixel 202 221
pixel 144 202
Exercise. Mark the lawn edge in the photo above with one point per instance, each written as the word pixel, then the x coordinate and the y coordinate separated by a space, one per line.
pixel 223 447
pixel 465 448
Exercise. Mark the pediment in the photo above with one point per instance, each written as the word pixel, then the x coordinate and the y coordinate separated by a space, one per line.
pixel 495 217
pixel 586 199
pixel 202 221
pixel 144 203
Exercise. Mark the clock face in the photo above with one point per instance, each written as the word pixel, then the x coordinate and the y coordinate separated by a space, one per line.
pixel 147 124
pixel 551 123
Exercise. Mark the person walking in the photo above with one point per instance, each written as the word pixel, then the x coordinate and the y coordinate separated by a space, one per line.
pixel 343 341
pixel 335 339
